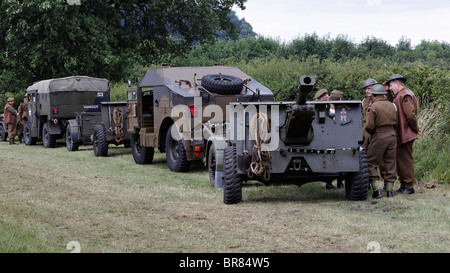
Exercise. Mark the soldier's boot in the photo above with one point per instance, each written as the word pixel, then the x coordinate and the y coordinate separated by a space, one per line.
pixel 405 188
pixel 389 187
pixel 376 189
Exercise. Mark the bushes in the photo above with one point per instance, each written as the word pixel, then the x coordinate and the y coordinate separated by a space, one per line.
pixel 432 149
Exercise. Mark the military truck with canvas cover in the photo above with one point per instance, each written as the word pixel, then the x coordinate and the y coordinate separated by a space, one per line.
pixel 294 143
pixel 52 103
pixel 184 98
pixel 3 128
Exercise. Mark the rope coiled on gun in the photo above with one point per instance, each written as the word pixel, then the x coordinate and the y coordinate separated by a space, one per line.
pixel 260 133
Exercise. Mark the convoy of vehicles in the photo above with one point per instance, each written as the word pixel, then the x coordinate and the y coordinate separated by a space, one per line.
pixel 218 115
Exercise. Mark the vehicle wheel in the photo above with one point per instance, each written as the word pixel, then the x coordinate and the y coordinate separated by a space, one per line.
pixel 28 139
pixel 222 84
pixel 70 144
pixel 48 139
pixel 3 134
pixel 141 155
pixel 357 184
pixel 232 182
pixel 212 165
pixel 100 142
pixel 176 154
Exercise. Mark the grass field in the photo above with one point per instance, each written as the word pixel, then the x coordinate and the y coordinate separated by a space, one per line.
pixel 50 197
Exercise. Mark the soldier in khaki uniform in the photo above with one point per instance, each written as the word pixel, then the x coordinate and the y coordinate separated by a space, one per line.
pixel 23 117
pixel 381 123
pixel 322 95
pixel 11 119
pixel 407 106
pixel 335 95
pixel 367 101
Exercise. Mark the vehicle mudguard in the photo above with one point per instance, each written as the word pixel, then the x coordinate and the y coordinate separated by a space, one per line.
pixel 75 130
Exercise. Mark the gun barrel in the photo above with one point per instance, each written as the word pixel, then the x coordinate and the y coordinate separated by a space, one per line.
pixel 305 85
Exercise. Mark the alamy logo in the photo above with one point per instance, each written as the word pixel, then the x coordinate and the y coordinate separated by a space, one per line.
pixel 73 2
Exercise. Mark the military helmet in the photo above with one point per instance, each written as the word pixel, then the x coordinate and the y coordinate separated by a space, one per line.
pixel 378 89
pixel 369 82
pixel 396 77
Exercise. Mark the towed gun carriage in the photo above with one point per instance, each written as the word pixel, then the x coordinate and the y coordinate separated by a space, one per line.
pixel 292 143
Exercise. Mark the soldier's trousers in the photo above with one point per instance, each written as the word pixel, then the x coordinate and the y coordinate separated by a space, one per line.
pixel 366 143
pixel 405 164
pixel 381 151
pixel 11 131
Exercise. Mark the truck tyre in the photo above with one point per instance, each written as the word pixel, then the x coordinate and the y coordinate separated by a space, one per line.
pixel 141 155
pixel 3 133
pixel 357 184
pixel 70 144
pixel 232 182
pixel 28 139
pixel 212 165
pixel 176 154
pixel 222 84
pixel 48 139
pixel 100 142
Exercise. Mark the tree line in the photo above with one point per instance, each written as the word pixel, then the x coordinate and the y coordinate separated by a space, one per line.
pixel 41 39
pixel 337 63
pixel 119 40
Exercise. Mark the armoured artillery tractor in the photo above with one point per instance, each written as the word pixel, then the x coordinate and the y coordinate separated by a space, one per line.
pixel 292 143
pixel 171 105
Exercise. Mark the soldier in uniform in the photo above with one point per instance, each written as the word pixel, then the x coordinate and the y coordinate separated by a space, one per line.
pixel 367 101
pixel 322 95
pixel 11 119
pixel 23 114
pixel 407 106
pixel 381 123
pixel 335 95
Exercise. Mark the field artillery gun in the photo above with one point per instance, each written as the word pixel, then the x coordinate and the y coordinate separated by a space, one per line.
pixel 292 143
pixel 100 128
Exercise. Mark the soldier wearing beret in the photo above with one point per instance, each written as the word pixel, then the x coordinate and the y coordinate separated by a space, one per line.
pixel 407 130
pixel 381 123
pixel 10 115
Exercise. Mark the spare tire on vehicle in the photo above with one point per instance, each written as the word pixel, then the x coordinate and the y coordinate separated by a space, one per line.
pixel 222 84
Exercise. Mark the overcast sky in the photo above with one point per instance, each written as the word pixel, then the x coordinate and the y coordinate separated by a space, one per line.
pixel 388 20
